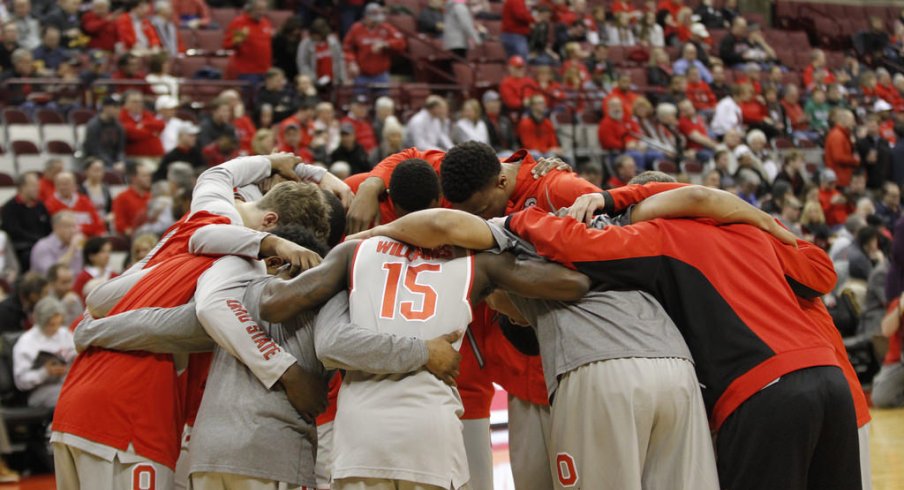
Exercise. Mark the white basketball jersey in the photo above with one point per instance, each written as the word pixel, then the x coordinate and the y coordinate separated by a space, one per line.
pixel 404 427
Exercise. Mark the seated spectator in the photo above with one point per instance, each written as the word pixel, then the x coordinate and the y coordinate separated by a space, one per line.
pixel 221 150
pixel 648 32
pixel 740 47
pixel 217 123
pixel 516 26
pixel 67 198
pixel 667 137
pixel 619 32
pixel 371 43
pixel 872 42
pixel 839 152
pixel 659 72
pixel 794 172
pixel 795 115
pixel 193 14
pixel 166 112
pixel 430 19
pixel 166 28
pixel 868 89
pixel 865 253
pixel 327 126
pixel 622 91
pixel 545 86
pixel 23 67
pixel 16 309
pixel 575 57
pixel 9 264
pixel 817 111
pixel 249 35
pixel 96 257
pixel 393 138
pixel 9 42
pixel 699 93
pixel 710 16
pixel 515 86
pixel 677 90
pixel 357 117
pixel 100 26
pixel 128 69
pixel 429 128
pixel 535 130
pixel 50 55
pixel 625 170
pixel 275 94
pixel 61 246
pixel 320 56
pixel 789 216
pixel 758 144
pixel 264 142
pixel 817 62
pixel 874 152
pixel 27 22
pixel 599 66
pixel 60 280
pixel 719 85
pixel 500 128
pixel 96 189
pixel 241 122
pixel 689 59
pixel 384 110
pixel 292 142
pixel 24 217
pixel 888 207
pixel 834 204
pixel 728 115
pixel 160 77
pixel 886 90
pixel 141 41
pixel 888 385
pixel 130 205
pixel 141 246
pixel 42 355
pixel 350 151
pixel 186 150
pixel 470 126
pixel 693 127
pixel 304 119
pixel 755 114
pixel 142 129
pixel 618 132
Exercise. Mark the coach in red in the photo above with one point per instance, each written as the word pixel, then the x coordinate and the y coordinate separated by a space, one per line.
pixel 371 43
pixel 249 36
pixel 142 128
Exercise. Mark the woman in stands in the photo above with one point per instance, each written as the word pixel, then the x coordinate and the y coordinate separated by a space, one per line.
pixel 42 355
pixel 95 188
pixel 96 255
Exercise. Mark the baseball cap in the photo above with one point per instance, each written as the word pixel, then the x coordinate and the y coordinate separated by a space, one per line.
pixel 699 30
pixel 516 61
pixel 189 128
pixel 360 99
pixel 347 128
pixel 828 175
pixel 490 96
pixel 881 106
pixel 166 102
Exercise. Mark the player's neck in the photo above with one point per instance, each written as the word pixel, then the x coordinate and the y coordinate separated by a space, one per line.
pixel 510 171
pixel 247 211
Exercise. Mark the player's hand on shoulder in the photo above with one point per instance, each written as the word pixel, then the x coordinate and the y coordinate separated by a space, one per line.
pixel 545 165
pixel 361 213
pixel 306 392
pixel 444 359
pixel 340 189
pixel 586 206
pixel 283 163
pixel 297 257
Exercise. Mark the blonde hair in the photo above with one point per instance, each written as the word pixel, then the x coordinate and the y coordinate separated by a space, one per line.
pixel 258 140
pixel 475 105
pixel 299 203
pixel 805 215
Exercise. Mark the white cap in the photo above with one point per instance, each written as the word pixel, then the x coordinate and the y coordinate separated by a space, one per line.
pixel 881 106
pixel 699 30
pixel 166 102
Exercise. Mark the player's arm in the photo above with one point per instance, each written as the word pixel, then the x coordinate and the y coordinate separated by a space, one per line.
pixel 807 268
pixel 616 201
pixel 283 299
pixel 105 296
pixel 220 240
pixel 529 278
pixel 432 228
pixel 365 205
pixel 157 330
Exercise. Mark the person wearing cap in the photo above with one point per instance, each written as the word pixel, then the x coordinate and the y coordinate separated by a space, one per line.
pixel 350 150
pixel 371 43
pixel 839 151
pixel 249 37
pixel 514 88
pixel 357 117
pixel 516 25
pixel 688 59
pixel 499 127
pixel 833 203
pixel 105 137
pixel 186 150
pixel 293 141
pixel 99 26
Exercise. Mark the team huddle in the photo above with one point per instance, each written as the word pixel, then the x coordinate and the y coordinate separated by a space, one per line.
pixel 681 336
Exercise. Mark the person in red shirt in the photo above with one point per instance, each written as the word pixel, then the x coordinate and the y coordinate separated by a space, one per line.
pixel 249 37
pixel 143 41
pixel 292 142
pixel 304 119
pixel 535 130
pixel 371 44
pixel 357 117
pixel 794 112
pixel 46 186
pixel 67 198
pixel 693 127
pixel 834 204
pixel 244 126
pixel 886 90
pixel 515 88
pixel 817 62
pixel 96 259
pixel 99 25
pixel 517 21
pixel 545 85
pixel 142 128
pixel 132 203
pixel 839 148
pixel 622 91
pixel 224 148
pixel 625 169
pixel 698 91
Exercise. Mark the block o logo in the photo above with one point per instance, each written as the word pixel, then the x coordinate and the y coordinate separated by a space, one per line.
pixel 144 477
pixel 566 470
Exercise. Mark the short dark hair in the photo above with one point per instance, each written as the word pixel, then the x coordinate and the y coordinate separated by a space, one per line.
pixel 468 168
pixel 53 273
pixel 301 235
pixel 867 234
pixel 92 246
pixel 337 219
pixel 652 176
pixel 414 185
pixel 30 283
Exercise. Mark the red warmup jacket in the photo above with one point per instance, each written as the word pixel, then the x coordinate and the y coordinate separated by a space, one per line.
pixel 807 76
pixel 537 135
pixel 615 135
pixel 627 98
pixel 839 154
pixel 254 55
pixel 516 18
pixel 739 346
pixel 513 90
pixel 90 223
pixel 101 30
pixel 358 44
pixel 836 214
pixel 244 131
pixel 125 32
pixel 687 126
pixel 364 132
pixel 142 136
pixel 701 95
pixel 795 113
pixel 891 95
pixel 128 207
pixel 753 111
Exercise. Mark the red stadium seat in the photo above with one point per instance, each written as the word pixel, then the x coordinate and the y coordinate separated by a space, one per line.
pixel 6 180
pixel 188 37
pixel 489 74
pixel 79 117
pixel 798 40
pixel 784 143
pixel 59 148
pixel 464 74
pixel 638 76
pixel 617 55
pixel 12 115
pixel 666 167
pixel 187 67
pixel 493 52
pixel 494 27
pixel 24 148
pixel 693 167
pixel 113 178
pixel 209 41
pixel 47 116
pixel 187 115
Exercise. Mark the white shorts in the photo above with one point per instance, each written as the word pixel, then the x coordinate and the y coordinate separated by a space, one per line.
pixel 76 469
pixel 229 481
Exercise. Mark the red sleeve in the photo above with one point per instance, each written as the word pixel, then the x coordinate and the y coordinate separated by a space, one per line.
pixel 520 12
pixel 396 39
pixel 124 32
pixel 837 147
pixel 151 34
pixel 122 219
pixel 134 132
pixel 563 188
pixel 97 227
pixel 618 200
pixel 510 93
pixel 384 169
pixel 231 29
pixel 526 134
pixel 808 269
pixel 79 284
pixel 552 141
pixel 608 136
pixel 808 76
pixel 348 44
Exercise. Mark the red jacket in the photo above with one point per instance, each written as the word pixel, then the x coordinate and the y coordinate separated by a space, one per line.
pixel 688 126
pixel 86 216
pixel 795 113
pixel 128 207
pixel 102 30
pixel 891 95
pixel 614 134
pixel 244 130
pixel 701 95
pixel 753 111
pixel 364 132
pixel 513 90
pixel 45 189
pixel 836 214
pixel 839 154
pixel 807 76
pixel 358 44
pixel 142 136
pixel 739 347
pixel 516 18
pixel 125 32
pixel 537 135
pixel 627 99
pixel 254 55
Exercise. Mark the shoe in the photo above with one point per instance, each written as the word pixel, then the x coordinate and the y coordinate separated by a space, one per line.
pixel 7 475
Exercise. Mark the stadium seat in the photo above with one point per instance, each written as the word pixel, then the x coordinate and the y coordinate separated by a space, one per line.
pixel 47 116
pixel 278 17
pixel 666 166
pixel 187 115
pixel 6 163
pixel 187 36
pixel 489 74
pixel 693 167
pixel 58 132
pixel 464 74
pixel 494 27
pixel 187 67
pixel 7 180
pixel 113 178
pixel 412 6
pixel 27 156
pixel 79 117
pixel 209 41
pixel 493 52
pixel 403 22
pixel 223 16
pixel 59 148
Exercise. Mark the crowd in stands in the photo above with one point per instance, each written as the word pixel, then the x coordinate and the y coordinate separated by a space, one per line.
pixel 825 156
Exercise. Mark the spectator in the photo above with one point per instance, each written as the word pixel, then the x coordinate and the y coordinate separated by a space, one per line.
pixel 728 115
pixel 458 28
pixel 9 263
pixel 16 309
pixel 60 280
pixel 320 56
pixel 193 14
pixel 535 130
pixel 8 44
pixel 736 48
pixel 96 257
pixel 871 43
pixel 67 198
pixel 350 151
pixel 371 43
pixel 292 142
pixel 874 152
pixel 623 91
pixel 649 33
pixel 61 246
pixel 222 149
pixel 499 126
pixel 516 26
pixel 393 141
pixel 275 94
pixel 141 246
pixel 132 203
pixel 864 254
pixel 514 88
pixel 217 123
pixel 95 188
pixel 689 59
pixel 470 126
pixel 592 172
pixel 659 71
pixel 619 32
pixel 817 63
pixel 625 169
pixel 166 111
pixel 817 111
pixel 248 36
pixel 128 68
pixel 49 55
pixel 23 67
pixel 357 117
pixel 134 31
pixel 839 154
pixel 888 208
pixel 699 93
pixel 65 19
pixel 304 119
pixel 430 19
pixel 166 29
pixel 42 355
pixel 384 109
pixel 160 77
pixel 668 137
pixel 719 85
pixel 305 92
pixel 29 27
pixel 541 37
pixel 545 85
pixel 677 90
pixel 243 125
pixel 693 127
pixel 710 16
pixel 798 122
pixel 264 142
pixel 284 46
pixel 186 150
pixel 98 24
pixel 599 64
pixel 834 204
pixel 429 128
pixel 793 172
pixel 142 129
pixel 24 217
pixel 618 132
pixel 758 143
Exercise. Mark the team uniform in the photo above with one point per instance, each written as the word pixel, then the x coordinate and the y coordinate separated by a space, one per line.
pixel 403 428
